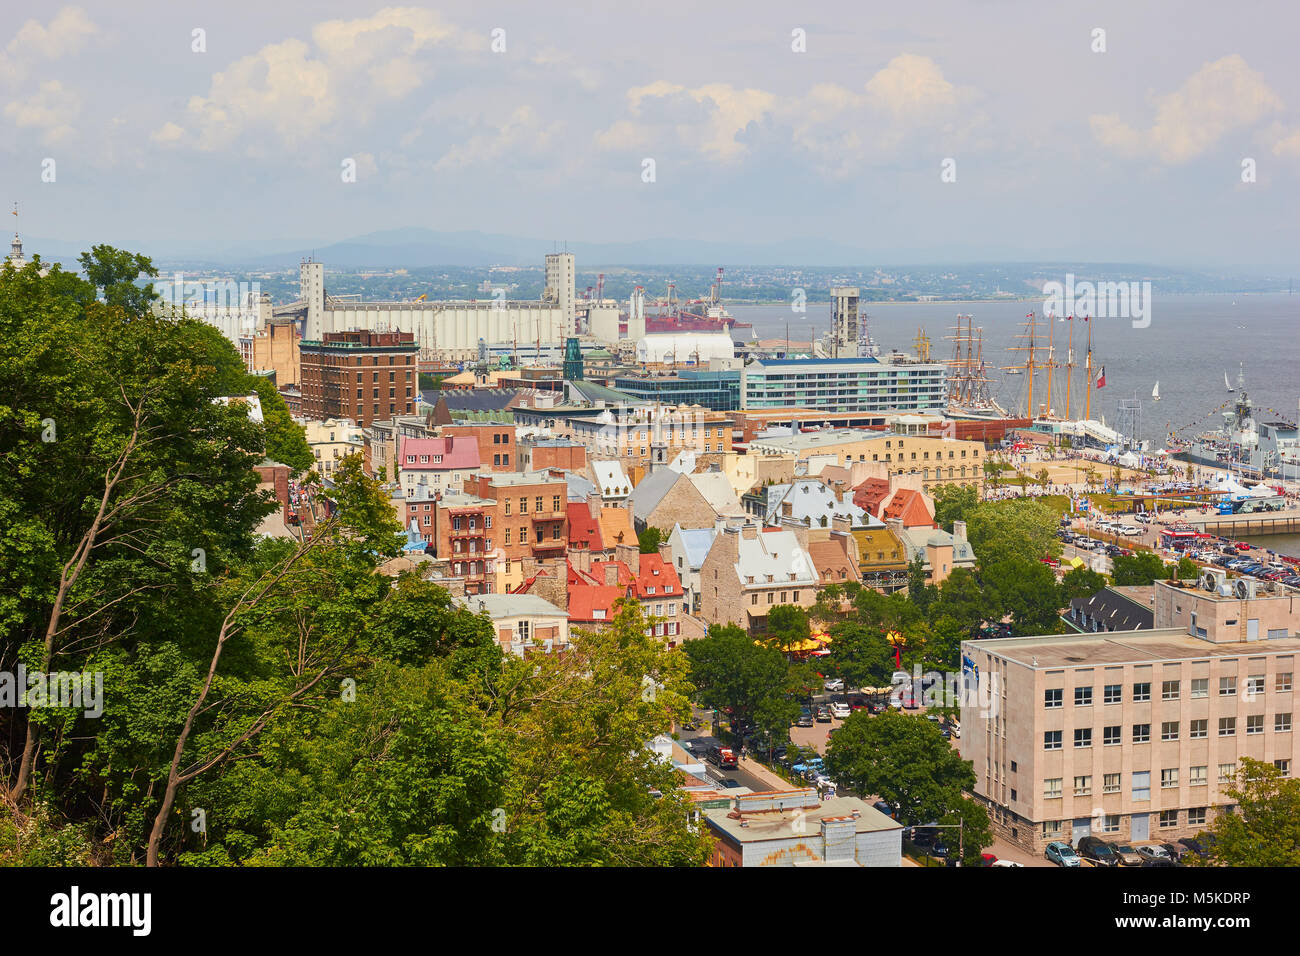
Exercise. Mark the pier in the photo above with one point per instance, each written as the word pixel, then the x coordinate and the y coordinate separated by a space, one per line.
pixel 1241 525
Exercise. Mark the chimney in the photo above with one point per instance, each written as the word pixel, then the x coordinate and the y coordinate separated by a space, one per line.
pixel 611 575
pixel 959 530
pixel 749 531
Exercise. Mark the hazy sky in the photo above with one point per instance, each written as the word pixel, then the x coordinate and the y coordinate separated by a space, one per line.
pixel 1134 153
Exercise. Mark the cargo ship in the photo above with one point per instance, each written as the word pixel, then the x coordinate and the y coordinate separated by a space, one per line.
pixel 697 315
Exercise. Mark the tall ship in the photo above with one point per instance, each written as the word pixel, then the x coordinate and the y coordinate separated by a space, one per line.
pixel 1244 444
pixel 695 315
pixel 969 395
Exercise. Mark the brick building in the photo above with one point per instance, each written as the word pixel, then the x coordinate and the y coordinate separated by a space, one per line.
pixel 749 570
pixel 464 535
pixel 496 442
pixel 361 374
pixel 531 517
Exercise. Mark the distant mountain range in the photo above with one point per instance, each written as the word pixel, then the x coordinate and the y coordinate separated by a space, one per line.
pixel 419 247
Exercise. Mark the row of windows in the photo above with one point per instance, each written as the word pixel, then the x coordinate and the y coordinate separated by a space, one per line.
pixel 523 534
pixel 1169 690
pixel 1196 817
pixel 1169 730
pixel 1140 780
pixel 539 505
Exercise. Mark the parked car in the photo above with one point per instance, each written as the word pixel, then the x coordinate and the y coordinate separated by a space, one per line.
pixel 840 710
pixel 823 715
pixel 1127 855
pixel 833 684
pixel 1176 851
pixel 805 718
pixel 1097 851
pixel 1062 854
pixel 1199 844
pixel 1153 852
pixel 884 808
pixel 1006 863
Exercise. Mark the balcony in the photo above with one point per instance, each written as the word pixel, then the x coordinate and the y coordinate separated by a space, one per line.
pixel 553 516
pixel 467 532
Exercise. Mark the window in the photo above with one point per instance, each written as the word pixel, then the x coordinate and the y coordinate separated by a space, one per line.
pixel 1052 740
pixel 1281 723
pixel 1169 690
pixel 1082 786
pixel 1284 766
pixel 1013 766
pixel 1255 684
pixel 1051 829
pixel 523 535
pixel 1141 733
pixel 1169 779
pixel 1255 724
pixel 1227 772
pixel 1110 783
pixel 1196 817
pixel 1142 785
pixel 1053 698
pixel 487 522
pixel 555 503
pixel 1199 729
pixel 1283 682
pixel 1114 693
pixel 1052 788
pixel 1197 776
pixel 1142 691
pixel 1110 824
pixel 507 504
pixel 1200 688
pixel 538 506
pixel 1083 737
pixel 1169 730
pixel 1227 687
pixel 1168 818
pixel 523 506
pixel 507 535
pixel 1083 697
pixel 1227 726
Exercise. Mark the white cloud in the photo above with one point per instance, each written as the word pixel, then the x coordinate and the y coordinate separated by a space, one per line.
pixel 911 87
pixel 1218 99
pixel 520 132
pixel 66 35
pixel 52 109
pixel 292 91
pixel 708 117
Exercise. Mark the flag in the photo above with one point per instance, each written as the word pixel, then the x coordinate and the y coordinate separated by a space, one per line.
pixel 1101 376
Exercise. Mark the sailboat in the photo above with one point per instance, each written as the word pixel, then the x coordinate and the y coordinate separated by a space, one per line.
pixel 1155 393
pixel 1227 384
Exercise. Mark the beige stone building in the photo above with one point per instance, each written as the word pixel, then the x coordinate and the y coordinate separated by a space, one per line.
pixel 332 440
pixel 937 460
pixel 749 570
pixel 1133 735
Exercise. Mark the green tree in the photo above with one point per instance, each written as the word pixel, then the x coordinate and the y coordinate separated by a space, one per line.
pixel 650 539
pixel 1264 830
pixel 1142 567
pixel 114 273
pixel 286 440
pixel 918 591
pixel 902 759
pixel 1028 591
pixel 860 654
pixel 1016 528
pixel 962 598
pixel 748 681
pixel 1081 583
pixel 787 626
pixel 954 503
pixel 976 832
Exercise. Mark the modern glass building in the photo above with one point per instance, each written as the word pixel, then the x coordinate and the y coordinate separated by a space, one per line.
pixel 843 385
pixel 715 390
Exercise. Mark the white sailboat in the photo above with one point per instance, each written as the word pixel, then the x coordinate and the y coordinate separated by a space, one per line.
pixel 1227 384
pixel 1155 393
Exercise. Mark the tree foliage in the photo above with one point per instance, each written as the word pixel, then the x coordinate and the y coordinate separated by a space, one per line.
pixel 1264 830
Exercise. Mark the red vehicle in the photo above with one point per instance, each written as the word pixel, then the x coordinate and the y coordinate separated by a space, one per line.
pixel 1241 546
pixel 724 757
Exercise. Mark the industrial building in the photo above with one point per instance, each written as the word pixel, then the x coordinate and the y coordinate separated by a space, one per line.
pixel 843 385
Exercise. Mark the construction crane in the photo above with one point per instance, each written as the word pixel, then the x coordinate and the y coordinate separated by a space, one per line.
pixel 715 294
pixel 600 286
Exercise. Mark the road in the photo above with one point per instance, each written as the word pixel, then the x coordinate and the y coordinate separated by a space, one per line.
pixel 741 777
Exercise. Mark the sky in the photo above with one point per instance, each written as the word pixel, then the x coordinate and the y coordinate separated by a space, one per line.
pixel 923 131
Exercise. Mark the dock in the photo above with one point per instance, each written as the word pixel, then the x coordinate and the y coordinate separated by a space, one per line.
pixel 1242 525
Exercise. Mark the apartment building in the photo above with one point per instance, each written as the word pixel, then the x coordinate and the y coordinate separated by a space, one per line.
pixel 936 460
pixel 838 385
pixel 531 517
pixel 633 433
pixel 1134 735
pixel 362 375
pixel 463 533
pixel 524 623
pixel 496 442
pixel 331 441
pixel 749 570
pixel 436 464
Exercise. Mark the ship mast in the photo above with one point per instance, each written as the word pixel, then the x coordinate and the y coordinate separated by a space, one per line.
pixel 1069 366
pixel 1031 329
pixel 1088 407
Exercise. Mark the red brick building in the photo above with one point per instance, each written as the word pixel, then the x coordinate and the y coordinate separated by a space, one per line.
pixel 362 375
pixel 464 533
pixel 531 518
